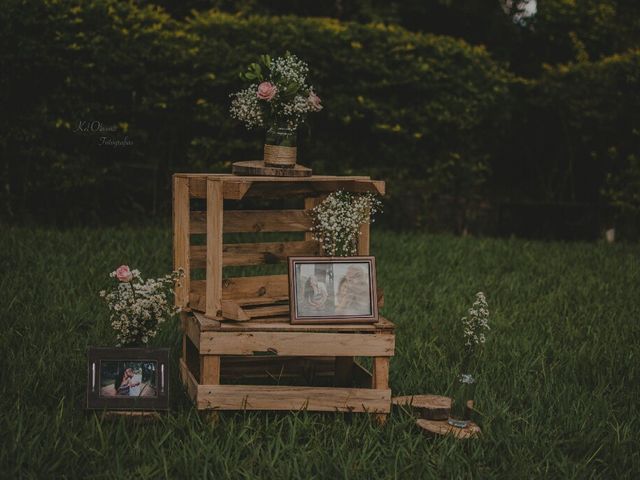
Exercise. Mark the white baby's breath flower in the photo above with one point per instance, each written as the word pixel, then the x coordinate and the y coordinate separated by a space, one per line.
pixel 476 322
pixel 337 221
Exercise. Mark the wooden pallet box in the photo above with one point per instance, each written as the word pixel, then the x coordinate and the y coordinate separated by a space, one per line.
pixel 238 323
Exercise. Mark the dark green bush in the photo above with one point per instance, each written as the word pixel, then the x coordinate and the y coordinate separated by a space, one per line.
pixel 572 126
pixel 396 103
pixel 449 128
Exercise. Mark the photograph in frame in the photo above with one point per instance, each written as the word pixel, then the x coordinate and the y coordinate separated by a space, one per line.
pixel 127 378
pixel 333 290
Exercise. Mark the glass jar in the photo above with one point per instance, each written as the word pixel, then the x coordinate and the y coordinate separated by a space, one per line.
pixel 280 146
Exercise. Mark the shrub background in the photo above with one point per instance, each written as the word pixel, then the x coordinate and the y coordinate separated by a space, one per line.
pixel 453 128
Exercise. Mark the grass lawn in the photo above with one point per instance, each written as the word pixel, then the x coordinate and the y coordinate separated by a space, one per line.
pixel 559 385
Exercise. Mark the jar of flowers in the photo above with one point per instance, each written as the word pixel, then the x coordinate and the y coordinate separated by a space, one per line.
pixel 474 325
pixel 278 99
pixel 138 307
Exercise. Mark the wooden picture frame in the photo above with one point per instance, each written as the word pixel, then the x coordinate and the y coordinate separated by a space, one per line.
pixel 127 378
pixel 344 293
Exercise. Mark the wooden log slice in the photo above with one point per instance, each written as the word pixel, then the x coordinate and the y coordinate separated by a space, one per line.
pixel 442 427
pixel 258 167
pixel 431 407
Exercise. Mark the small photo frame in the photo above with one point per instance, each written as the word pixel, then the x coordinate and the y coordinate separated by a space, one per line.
pixel 128 378
pixel 333 290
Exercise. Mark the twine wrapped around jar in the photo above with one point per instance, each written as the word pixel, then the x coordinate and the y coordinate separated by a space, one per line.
pixel 279 156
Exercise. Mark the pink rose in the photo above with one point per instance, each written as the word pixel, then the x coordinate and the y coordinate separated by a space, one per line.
pixel 124 274
pixel 314 101
pixel 266 91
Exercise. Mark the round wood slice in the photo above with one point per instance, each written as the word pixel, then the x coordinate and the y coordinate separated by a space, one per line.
pixel 258 167
pixel 442 427
pixel 434 407
pixel 431 407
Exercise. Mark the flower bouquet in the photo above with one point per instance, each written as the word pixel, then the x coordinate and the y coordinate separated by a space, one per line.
pixel 474 326
pixel 337 221
pixel 138 306
pixel 279 100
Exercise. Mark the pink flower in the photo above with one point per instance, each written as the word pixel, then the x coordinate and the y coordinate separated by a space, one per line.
pixel 314 101
pixel 124 274
pixel 266 91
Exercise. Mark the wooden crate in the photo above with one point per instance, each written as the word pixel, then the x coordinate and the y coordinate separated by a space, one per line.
pixel 258 305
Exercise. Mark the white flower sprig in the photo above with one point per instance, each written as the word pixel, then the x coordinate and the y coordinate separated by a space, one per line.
pixel 139 306
pixel 476 322
pixel 337 220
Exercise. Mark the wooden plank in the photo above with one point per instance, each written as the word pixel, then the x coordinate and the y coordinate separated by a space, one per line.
pixel 233 311
pixel 238 187
pixel 258 167
pixel 363 239
pixel 237 288
pixel 267 311
pixel 249 178
pixel 262 397
pixel 297 343
pixel 192 329
pixel 380 379
pixel 309 204
pixel 253 221
pixel 209 369
pixel 213 297
pixel 238 254
pixel 188 380
pixel 205 323
pixel 282 324
pixel 431 407
pixel 380 374
pixel 248 302
pixel 232 190
pixel 181 238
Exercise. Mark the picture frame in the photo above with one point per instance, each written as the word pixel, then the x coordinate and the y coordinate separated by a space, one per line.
pixel 327 290
pixel 127 378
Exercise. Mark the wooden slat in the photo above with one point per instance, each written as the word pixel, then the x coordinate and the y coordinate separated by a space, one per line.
pixel 262 397
pixel 237 288
pixel 253 221
pixel 380 371
pixel 213 300
pixel 248 302
pixel 188 380
pixel 205 323
pixel 282 324
pixel 233 311
pixel 363 239
pixel 309 204
pixel 238 254
pixel 297 343
pixel 267 311
pixel 191 328
pixel 181 238
pixel 380 378
pixel 237 187
pixel 209 369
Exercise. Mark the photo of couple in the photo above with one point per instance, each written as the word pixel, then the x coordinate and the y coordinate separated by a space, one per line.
pixel 128 379
pixel 333 289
